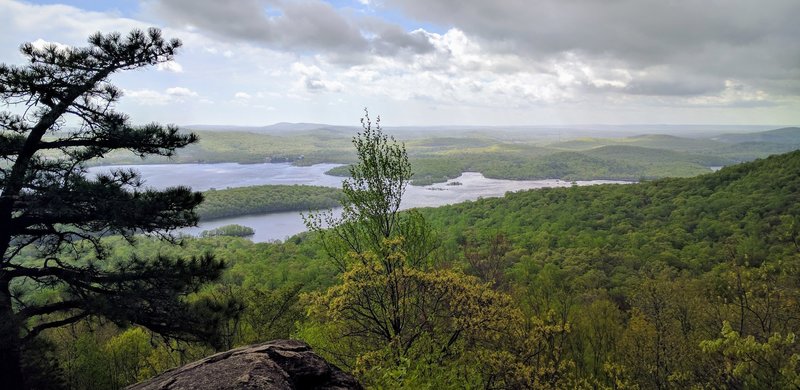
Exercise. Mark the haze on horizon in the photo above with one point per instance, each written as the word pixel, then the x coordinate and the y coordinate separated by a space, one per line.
pixel 467 62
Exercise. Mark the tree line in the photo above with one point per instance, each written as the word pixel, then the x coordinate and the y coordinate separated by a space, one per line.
pixel 264 199
pixel 673 283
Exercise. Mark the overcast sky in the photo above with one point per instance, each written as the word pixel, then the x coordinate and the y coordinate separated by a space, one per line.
pixel 436 62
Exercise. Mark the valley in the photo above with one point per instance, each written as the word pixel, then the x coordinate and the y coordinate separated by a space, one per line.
pixel 501 195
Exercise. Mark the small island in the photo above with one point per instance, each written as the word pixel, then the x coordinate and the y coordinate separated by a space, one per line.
pixel 229 231
pixel 262 199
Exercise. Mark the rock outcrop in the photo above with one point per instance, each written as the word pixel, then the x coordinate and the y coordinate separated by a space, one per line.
pixel 279 364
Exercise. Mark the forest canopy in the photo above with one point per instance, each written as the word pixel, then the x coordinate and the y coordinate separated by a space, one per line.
pixel 264 199
pixel 598 275
pixel 683 282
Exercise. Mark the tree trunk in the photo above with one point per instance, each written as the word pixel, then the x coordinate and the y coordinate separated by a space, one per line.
pixel 10 370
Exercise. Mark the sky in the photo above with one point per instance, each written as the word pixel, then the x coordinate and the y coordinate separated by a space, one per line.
pixel 444 62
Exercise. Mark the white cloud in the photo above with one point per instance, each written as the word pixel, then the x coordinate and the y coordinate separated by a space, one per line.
pixel 149 97
pixel 41 44
pixel 458 72
pixel 462 70
pixel 306 70
pixel 214 50
pixel 311 79
pixel 735 94
pixel 170 66
pixel 180 92
pixel 68 24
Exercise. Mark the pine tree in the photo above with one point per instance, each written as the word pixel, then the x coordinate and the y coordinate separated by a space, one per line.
pixel 60 116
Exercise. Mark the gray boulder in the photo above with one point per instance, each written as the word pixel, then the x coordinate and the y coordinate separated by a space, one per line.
pixel 279 364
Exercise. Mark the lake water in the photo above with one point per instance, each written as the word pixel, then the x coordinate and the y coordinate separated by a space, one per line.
pixel 279 226
pixel 202 177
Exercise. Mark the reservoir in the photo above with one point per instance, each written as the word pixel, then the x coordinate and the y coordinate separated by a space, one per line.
pixel 279 226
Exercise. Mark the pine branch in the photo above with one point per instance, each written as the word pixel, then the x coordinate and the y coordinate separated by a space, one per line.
pixel 33 332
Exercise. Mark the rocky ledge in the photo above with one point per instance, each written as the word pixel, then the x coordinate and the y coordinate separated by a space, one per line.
pixel 279 364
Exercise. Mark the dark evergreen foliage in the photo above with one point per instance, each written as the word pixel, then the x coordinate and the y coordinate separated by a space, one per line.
pixel 51 211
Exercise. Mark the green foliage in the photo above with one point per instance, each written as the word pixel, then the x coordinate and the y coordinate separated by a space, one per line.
pixel 52 214
pixel 622 159
pixel 128 354
pixel 98 355
pixel 773 363
pixel 229 230
pixel 397 320
pixel 264 199
pixel 303 148
pixel 405 327
pixel 606 287
pixel 666 261
pixel 371 204
pixel 90 367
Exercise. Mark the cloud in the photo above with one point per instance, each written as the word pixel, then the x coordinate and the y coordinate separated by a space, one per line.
pixel 735 94
pixel 296 26
pixel 311 79
pixel 706 42
pixel 149 97
pixel 445 62
pixel 644 29
pixel 170 66
pixel 70 25
pixel 673 87
pixel 180 92
pixel 391 39
pixel 458 72
pixel 244 99
pixel 42 44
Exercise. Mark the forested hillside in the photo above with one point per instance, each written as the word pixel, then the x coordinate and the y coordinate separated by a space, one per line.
pixel 654 242
pixel 686 223
pixel 670 283
pixel 266 199
pixel 783 136
pixel 664 284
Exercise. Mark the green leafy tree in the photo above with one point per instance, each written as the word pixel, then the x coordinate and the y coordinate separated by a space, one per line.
pixel 61 116
pixel 377 320
pixel 371 201
pixel 750 363
pixel 400 322
pixel 229 230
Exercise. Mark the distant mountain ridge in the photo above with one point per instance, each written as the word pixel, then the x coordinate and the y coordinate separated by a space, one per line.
pixel 786 135
pixel 274 128
pixel 439 155
pixel 691 131
pixel 659 141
